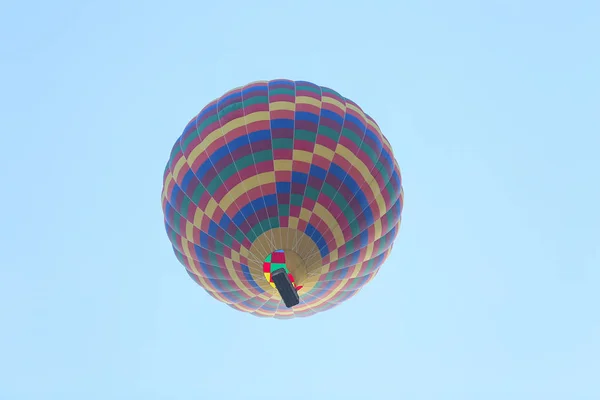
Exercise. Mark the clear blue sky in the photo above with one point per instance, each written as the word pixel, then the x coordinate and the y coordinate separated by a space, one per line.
pixel 493 109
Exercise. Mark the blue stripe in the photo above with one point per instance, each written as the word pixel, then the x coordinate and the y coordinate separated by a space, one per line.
pixel 281 82
pixel 218 155
pixel 204 240
pixel 213 228
pixel 299 177
pixel 239 143
pixel 282 123
pixel 283 187
pixel 306 116
pixel 249 278
pixel 317 172
pixel 255 205
pixel 251 90
pixel 332 115
pixel 371 135
pixel 225 222
pixel 222 102
pixel 338 172
pixel 317 237
pixel 203 169
pixel 187 178
pixel 259 135
pixel 356 121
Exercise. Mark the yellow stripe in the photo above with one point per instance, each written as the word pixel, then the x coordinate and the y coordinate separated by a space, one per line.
pixel 324 152
pixel 377 228
pixel 375 128
pixel 283 165
pixel 168 180
pixel 331 222
pixel 335 291
pixel 178 167
pixel 333 256
pixel 236 279
pixel 242 307
pixel 357 268
pixel 212 205
pixel 245 186
pixel 203 282
pixel 189 231
pixel 257 116
pixel 305 214
pixel 357 110
pixel 308 100
pixel 285 312
pixel 228 262
pixel 233 124
pixel 282 105
pixel 265 313
pixel 319 301
pixel 369 251
pixel 198 215
pixel 372 123
pixel 331 100
pixel 301 155
pixel 214 135
pixel 387 143
pixel 364 172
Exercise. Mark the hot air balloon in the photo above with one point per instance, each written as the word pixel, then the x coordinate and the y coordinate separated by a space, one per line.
pixel 282 198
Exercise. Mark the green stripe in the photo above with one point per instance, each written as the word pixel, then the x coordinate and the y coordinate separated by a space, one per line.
pixel 219 248
pixel 370 152
pixel 198 192
pixel 208 121
pixel 369 269
pixel 343 205
pixel 174 236
pixel 175 224
pixel 313 89
pixel 283 143
pixel 349 134
pixel 330 133
pixel 244 162
pixel 239 236
pixel 273 92
pixel 228 240
pixel 180 257
pixel 255 100
pixel 221 178
pixel 230 108
pixel 265 155
pixel 350 246
pixel 333 92
pixel 185 206
pixel 311 193
pixel 262 227
pixel 296 199
pixel 284 210
pixel 305 135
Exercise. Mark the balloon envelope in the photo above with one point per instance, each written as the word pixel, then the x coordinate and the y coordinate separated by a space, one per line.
pixel 285 175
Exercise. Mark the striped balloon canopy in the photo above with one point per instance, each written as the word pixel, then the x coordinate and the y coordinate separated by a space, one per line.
pixel 282 181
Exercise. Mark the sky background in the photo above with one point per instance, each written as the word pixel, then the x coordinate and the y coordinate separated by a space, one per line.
pixel 493 110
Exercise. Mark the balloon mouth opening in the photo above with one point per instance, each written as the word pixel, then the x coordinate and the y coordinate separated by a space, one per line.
pixel 274 262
